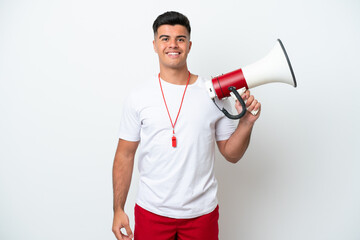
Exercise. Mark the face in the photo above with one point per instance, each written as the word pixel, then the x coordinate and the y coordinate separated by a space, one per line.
pixel 172 44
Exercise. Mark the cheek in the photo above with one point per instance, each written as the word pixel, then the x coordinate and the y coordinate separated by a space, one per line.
pixel 159 48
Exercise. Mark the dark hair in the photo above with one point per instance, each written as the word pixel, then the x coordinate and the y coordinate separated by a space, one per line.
pixel 171 18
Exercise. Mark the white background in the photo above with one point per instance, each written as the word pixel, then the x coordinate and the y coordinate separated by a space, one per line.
pixel 66 66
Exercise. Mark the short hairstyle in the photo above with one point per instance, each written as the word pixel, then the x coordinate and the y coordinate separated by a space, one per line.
pixel 171 18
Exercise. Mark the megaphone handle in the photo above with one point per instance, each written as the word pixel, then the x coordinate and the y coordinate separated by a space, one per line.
pixel 241 91
pixel 241 101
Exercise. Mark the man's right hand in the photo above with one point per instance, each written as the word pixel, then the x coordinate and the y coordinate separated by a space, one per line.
pixel 120 221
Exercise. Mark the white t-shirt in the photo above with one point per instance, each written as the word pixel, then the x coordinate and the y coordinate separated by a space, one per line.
pixel 175 182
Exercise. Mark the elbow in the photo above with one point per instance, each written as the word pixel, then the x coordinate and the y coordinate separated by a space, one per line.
pixel 230 156
pixel 232 153
pixel 232 159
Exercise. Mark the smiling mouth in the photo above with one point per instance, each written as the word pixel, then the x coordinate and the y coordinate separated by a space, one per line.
pixel 173 53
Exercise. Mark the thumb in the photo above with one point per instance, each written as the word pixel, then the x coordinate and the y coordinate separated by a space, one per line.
pixel 128 231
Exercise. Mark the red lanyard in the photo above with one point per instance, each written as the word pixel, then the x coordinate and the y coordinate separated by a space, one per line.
pixel 173 139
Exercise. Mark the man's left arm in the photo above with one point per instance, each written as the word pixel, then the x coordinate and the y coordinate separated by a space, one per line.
pixel 234 147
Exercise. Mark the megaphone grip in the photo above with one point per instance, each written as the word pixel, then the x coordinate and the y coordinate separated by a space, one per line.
pixel 241 101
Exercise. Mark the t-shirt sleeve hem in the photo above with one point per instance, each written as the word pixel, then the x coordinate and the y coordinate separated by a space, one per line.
pixel 128 138
pixel 223 137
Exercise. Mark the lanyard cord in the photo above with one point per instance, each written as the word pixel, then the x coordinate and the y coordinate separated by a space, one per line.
pixel 173 124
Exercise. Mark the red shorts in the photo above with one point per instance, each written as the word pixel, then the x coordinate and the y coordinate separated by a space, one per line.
pixel 150 226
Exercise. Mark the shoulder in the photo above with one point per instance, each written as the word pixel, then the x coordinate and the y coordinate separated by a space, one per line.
pixel 202 79
pixel 201 82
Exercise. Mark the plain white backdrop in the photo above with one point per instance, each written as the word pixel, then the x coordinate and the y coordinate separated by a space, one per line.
pixel 66 66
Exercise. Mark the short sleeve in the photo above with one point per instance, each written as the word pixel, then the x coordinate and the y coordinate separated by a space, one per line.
pixel 225 127
pixel 130 124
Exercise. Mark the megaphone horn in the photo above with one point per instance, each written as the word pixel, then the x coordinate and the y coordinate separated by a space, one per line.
pixel 274 67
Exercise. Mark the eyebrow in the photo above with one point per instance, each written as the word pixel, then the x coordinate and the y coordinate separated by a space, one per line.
pixel 179 36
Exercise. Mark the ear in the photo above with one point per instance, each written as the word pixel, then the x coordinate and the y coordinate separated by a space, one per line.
pixel 190 44
pixel 154 46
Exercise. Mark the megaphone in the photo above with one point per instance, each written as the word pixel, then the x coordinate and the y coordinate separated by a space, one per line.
pixel 274 67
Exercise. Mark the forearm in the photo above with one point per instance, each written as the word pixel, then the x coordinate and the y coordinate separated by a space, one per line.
pixel 122 173
pixel 234 148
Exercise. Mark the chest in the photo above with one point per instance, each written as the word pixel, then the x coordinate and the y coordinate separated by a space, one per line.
pixel 197 113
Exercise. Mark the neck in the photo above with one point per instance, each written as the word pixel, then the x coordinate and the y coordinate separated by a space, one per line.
pixel 175 76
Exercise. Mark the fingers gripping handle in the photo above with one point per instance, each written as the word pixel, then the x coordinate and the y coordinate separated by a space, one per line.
pixel 241 91
pixel 241 101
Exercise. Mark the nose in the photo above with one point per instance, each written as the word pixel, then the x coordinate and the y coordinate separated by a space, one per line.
pixel 173 43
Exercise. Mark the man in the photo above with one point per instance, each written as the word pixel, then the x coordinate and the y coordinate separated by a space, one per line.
pixel 177 125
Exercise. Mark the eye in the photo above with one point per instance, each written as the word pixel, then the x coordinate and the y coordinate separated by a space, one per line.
pixel 164 39
pixel 181 40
